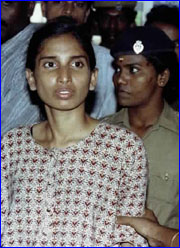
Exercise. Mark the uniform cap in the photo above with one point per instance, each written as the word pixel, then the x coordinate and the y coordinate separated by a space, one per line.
pixel 142 40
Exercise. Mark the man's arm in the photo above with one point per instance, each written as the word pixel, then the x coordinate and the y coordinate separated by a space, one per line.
pixel 149 228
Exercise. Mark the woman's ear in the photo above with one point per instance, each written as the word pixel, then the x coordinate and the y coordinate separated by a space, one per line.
pixel 163 78
pixel 93 81
pixel 31 80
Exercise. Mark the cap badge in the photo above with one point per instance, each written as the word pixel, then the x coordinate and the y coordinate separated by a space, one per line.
pixel 138 47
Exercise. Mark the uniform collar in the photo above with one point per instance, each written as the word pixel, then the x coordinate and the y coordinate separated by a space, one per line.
pixel 168 119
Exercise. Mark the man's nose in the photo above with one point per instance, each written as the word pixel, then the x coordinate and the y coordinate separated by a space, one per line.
pixel 68 9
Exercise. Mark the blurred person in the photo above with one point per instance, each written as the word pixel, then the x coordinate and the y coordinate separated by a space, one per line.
pixel 167 19
pixel 113 18
pixel 16 105
pixel 65 179
pixel 14 18
pixel 146 68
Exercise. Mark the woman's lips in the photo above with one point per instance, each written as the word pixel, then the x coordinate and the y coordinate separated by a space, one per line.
pixel 123 92
pixel 64 93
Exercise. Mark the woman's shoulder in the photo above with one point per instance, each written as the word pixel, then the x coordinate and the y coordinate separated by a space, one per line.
pixel 16 133
pixel 119 134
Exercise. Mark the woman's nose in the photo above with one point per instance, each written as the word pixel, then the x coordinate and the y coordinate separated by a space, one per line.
pixel 63 76
pixel 121 78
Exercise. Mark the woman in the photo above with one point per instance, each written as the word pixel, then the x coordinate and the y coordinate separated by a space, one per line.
pixel 146 80
pixel 64 180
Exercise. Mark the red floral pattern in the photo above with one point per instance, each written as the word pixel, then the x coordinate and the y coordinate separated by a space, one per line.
pixel 71 197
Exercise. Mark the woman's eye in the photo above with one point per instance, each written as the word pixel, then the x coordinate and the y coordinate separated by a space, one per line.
pixel 117 70
pixel 49 65
pixel 77 64
pixel 133 70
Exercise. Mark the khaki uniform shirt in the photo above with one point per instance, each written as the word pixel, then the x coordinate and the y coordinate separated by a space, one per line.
pixel 162 146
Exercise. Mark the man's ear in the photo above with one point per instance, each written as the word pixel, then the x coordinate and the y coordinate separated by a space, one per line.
pixel 163 78
pixel 31 8
pixel 94 76
pixel 31 80
pixel 43 7
pixel 87 15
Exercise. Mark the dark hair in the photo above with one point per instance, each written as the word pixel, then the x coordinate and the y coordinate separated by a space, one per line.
pixel 59 26
pixel 165 14
pixel 89 4
pixel 161 62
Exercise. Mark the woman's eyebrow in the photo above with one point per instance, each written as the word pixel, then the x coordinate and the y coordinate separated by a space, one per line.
pixel 71 57
pixel 47 57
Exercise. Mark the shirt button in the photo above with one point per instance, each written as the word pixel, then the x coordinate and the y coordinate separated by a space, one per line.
pixel 48 210
pixel 166 177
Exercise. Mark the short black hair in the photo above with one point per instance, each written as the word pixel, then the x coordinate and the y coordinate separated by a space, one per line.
pixel 59 26
pixel 89 3
pixel 161 62
pixel 164 14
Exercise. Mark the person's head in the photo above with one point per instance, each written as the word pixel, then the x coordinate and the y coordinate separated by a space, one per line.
pixel 146 67
pixel 14 18
pixel 78 10
pixel 113 19
pixel 61 64
pixel 167 19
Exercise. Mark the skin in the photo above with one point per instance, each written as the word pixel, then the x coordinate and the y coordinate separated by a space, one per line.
pixel 140 89
pixel 76 9
pixel 172 32
pixel 112 23
pixel 148 227
pixel 62 78
pixel 14 18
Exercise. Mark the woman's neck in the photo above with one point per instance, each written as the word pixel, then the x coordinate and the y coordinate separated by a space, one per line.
pixel 141 118
pixel 63 128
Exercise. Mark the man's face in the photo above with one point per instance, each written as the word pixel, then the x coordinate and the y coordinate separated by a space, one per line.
pixel 172 32
pixel 76 9
pixel 14 17
pixel 111 23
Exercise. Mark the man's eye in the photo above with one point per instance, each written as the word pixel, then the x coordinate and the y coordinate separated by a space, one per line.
pixel 80 4
pixel 176 42
pixel 77 64
pixel 59 2
pixel 7 3
pixel 49 65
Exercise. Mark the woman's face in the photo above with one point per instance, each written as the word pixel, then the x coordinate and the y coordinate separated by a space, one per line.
pixel 136 80
pixel 62 75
